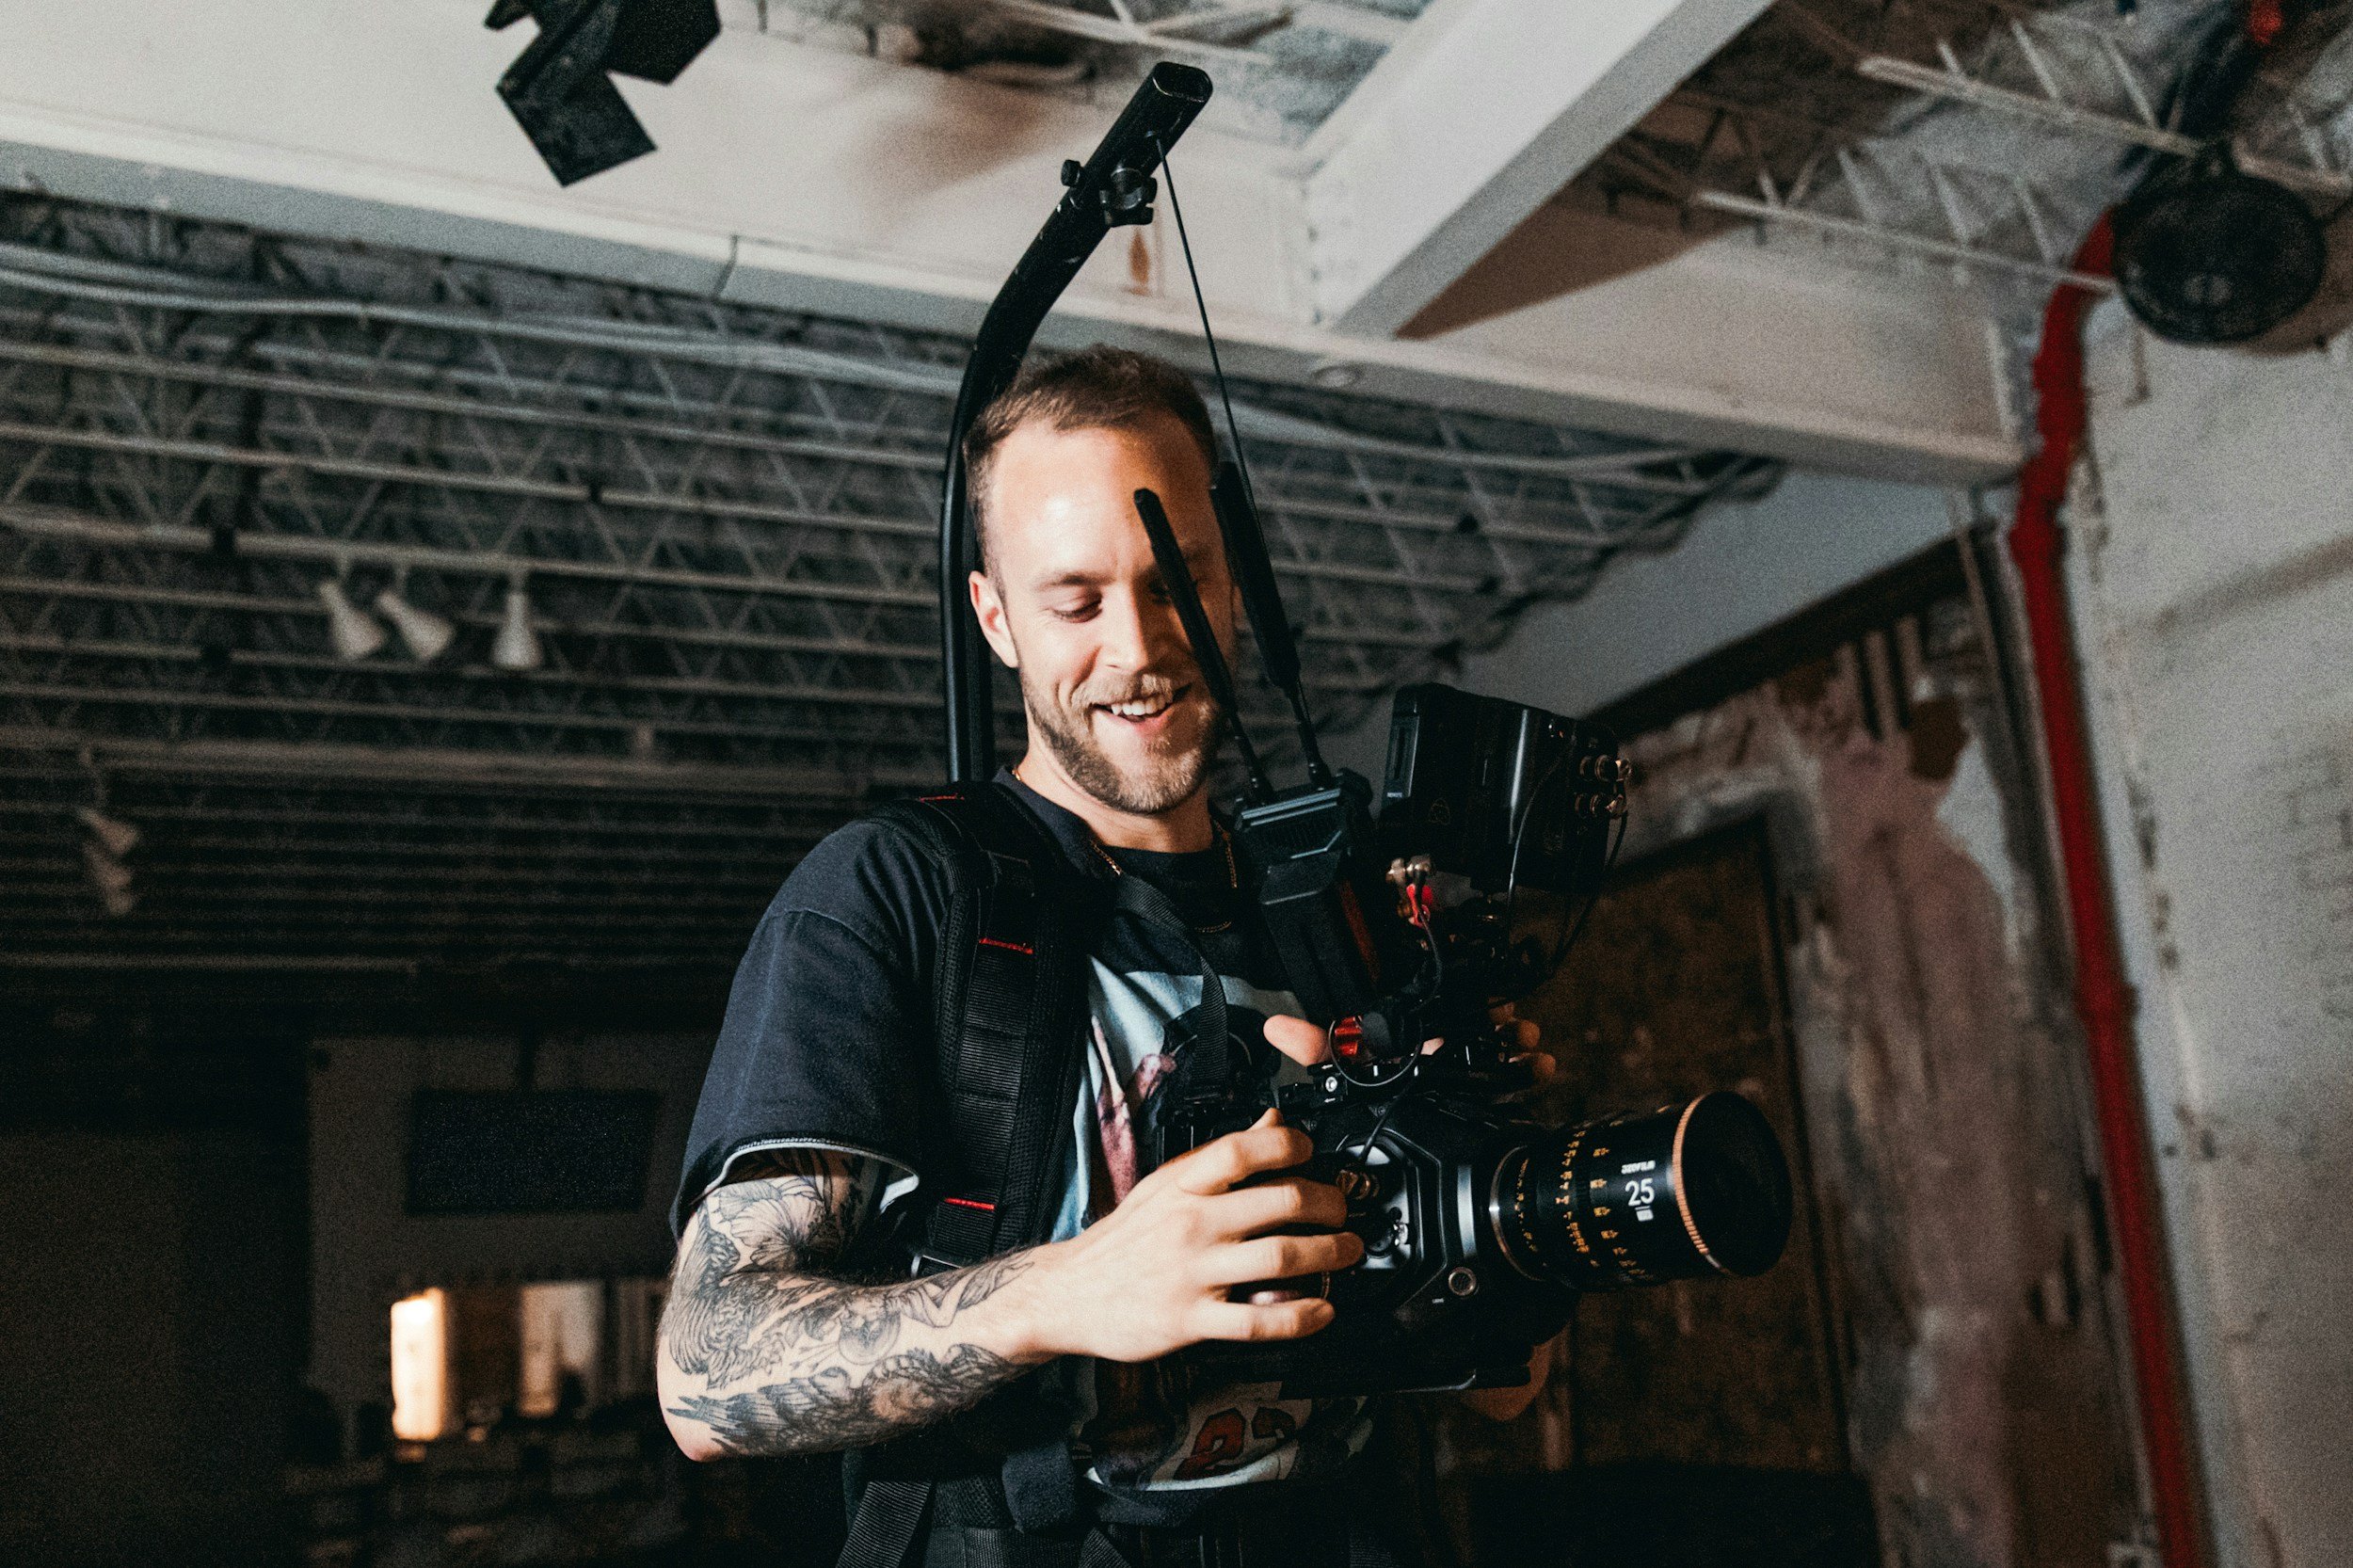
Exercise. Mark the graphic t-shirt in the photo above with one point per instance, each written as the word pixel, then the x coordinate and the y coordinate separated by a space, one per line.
pixel 828 1044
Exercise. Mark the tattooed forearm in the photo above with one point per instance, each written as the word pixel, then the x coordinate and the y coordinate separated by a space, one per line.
pixel 835 1408
pixel 766 1350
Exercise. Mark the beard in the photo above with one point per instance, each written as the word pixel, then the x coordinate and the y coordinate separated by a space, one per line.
pixel 1171 771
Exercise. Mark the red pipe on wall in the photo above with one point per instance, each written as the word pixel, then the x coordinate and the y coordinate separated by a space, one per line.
pixel 2104 999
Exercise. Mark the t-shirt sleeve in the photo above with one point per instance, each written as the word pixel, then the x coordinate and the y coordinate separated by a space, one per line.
pixel 827 1038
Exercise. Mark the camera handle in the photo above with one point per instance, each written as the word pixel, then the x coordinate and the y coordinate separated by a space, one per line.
pixel 1111 190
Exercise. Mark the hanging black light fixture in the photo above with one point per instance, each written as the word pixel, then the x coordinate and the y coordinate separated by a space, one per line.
pixel 560 90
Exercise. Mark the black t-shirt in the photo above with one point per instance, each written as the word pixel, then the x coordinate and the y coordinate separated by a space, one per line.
pixel 828 1044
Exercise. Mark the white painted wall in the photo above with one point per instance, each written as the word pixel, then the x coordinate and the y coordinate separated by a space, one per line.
pixel 367 1251
pixel 1738 570
pixel 2214 595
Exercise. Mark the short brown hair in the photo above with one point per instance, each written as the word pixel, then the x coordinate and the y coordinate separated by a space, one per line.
pixel 1099 388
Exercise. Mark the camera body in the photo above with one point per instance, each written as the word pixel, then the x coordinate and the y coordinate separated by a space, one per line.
pixel 1479 1225
pixel 1401 936
pixel 1436 1302
pixel 1476 791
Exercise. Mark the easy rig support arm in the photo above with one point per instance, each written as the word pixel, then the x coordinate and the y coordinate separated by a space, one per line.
pixel 1113 188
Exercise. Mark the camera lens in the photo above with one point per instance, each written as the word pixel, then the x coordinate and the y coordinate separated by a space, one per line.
pixel 1643 1198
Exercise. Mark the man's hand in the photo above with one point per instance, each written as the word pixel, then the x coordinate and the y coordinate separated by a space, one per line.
pixel 762 1352
pixel 1157 1273
pixel 1309 1045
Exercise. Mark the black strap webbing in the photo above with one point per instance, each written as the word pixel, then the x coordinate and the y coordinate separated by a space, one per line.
pixel 1212 1038
pixel 1009 1009
pixel 889 1521
pixel 1097 1551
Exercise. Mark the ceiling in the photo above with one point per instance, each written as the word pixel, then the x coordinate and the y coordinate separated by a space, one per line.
pixel 1984 138
pixel 1979 136
pixel 676 434
pixel 722 522
pixel 1281 68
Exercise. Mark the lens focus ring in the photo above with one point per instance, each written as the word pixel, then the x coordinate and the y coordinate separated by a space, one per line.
pixel 1640 1199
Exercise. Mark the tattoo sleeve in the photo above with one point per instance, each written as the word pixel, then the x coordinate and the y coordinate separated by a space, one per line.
pixel 768 1349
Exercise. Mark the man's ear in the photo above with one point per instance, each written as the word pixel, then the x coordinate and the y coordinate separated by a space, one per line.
pixel 991 611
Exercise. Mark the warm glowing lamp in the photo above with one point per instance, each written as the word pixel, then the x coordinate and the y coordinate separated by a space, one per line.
pixel 421 1367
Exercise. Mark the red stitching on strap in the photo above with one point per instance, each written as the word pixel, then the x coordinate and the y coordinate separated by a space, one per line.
pixel 1023 948
pixel 972 1203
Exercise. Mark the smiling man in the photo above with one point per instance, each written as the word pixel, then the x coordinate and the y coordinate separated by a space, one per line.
pixel 1120 724
pixel 792 1325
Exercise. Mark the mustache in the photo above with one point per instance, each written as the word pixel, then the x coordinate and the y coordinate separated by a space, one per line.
pixel 1144 688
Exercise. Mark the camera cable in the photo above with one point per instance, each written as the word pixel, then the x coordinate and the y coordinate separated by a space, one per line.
pixel 1217 367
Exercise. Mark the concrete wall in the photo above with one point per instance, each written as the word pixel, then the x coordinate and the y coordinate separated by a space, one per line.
pixel 2213 574
pixel 150 1286
pixel 367 1251
pixel 1980 1364
pixel 1984 1385
pixel 1739 571
pixel 1941 1085
pixel 2214 594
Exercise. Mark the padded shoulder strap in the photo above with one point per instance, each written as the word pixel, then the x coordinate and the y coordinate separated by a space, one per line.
pixel 1009 1006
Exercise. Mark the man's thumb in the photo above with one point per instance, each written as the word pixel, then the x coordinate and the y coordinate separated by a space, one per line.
pixel 1303 1042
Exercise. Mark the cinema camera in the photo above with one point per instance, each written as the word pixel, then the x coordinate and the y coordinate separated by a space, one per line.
pixel 1480 1227
pixel 1477 1226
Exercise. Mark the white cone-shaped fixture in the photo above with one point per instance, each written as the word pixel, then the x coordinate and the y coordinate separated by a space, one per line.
pixel 516 647
pixel 112 879
pixel 427 633
pixel 116 837
pixel 355 633
pixel 110 875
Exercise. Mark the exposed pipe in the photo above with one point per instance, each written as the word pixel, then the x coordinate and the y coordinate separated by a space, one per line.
pixel 52 522
pixel 2104 999
pixel 442 769
pixel 1895 239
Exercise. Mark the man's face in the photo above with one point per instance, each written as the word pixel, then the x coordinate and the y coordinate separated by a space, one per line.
pixel 1074 603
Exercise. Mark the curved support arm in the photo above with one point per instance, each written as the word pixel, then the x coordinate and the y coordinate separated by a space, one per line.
pixel 1111 188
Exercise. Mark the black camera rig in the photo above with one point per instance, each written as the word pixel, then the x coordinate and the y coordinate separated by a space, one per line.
pixel 1402 933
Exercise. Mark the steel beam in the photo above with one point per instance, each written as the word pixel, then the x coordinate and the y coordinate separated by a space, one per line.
pixel 1478 118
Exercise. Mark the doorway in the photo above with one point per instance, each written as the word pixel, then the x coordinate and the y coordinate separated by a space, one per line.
pixel 1701 1421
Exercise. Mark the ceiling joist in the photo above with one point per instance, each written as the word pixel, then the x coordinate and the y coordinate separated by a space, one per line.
pixel 722 533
